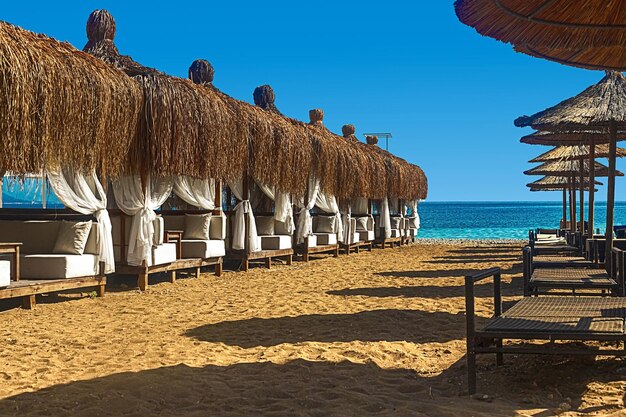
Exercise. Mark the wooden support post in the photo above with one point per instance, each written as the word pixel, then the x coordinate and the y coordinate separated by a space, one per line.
pixel 142 277
pixel 245 263
pixel 101 290
pixel 290 260
pixel 581 203
pixel 218 195
pixel 268 262
pixel 572 206
pixel 198 272
pixel 172 275
pixel 610 199
pixel 564 208
pixel 246 242
pixel 29 302
pixel 592 186
pixel 218 268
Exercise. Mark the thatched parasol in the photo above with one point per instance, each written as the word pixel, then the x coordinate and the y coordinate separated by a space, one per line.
pixel 584 33
pixel 570 168
pixel 568 153
pixel 569 138
pixel 62 107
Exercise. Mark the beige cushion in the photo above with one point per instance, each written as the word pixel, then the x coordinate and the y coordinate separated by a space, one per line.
pixel 58 266
pixel 311 241
pixel 163 254
pixel 197 226
pixel 366 236
pixel 361 224
pixel 203 249
pixel 325 224
pixel 159 231
pixel 326 238
pixel 72 238
pixel 264 225
pixel 5 273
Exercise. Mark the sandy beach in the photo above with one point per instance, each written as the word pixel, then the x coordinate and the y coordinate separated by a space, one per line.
pixel 378 333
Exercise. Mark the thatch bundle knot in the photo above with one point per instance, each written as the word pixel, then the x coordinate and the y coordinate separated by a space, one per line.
pixel 348 130
pixel 371 140
pixel 264 97
pixel 316 116
pixel 100 26
pixel 201 72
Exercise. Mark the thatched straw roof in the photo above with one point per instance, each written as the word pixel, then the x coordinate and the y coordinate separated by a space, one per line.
pixel 593 109
pixel 62 107
pixel 195 129
pixel 568 153
pixel 583 33
pixel 570 138
pixel 565 168
pixel 552 183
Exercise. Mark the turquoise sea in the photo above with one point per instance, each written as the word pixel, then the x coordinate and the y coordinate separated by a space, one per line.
pixel 449 220
pixel 499 220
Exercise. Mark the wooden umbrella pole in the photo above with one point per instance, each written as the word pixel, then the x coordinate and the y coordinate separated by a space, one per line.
pixel 572 204
pixel 564 225
pixel 581 186
pixel 610 199
pixel 592 182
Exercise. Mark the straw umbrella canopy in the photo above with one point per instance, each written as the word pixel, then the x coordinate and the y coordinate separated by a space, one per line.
pixel 62 108
pixel 569 138
pixel 584 33
pixel 570 168
pixel 567 153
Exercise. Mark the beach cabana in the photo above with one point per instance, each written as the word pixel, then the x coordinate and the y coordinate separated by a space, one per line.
pixel 76 126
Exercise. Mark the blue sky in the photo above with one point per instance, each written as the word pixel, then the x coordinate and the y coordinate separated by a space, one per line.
pixel 448 95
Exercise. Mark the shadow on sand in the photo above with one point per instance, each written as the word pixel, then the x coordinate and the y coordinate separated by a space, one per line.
pixel 369 326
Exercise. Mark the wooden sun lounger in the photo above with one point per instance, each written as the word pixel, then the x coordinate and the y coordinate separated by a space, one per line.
pixel 556 261
pixel 532 319
pixel 569 279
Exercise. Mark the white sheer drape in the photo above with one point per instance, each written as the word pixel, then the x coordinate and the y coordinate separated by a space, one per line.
pixel 84 194
pixel 385 217
pixel 328 203
pixel 415 217
pixel 348 233
pixel 194 191
pixel 305 221
pixel 131 199
pixel 242 210
pixel 283 209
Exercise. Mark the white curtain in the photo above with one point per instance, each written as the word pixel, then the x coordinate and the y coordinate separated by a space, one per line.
pixel 305 221
pixel 328 203
pixel 283 209
pixel 242 210
pixel 348 236
pixel 414 214
pixel 385 217
pixel 84 194
pixel 131 199
pixel 194 191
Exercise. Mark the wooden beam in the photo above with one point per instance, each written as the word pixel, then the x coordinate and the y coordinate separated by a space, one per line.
pixel 610 199
pixel 582 196
pixel 592 186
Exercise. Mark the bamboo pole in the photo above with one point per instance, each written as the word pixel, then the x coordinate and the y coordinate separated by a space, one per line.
pixel 572 205
pixel 610 199
pixel 592 186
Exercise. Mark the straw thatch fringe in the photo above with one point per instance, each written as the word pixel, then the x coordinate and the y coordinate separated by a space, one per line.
pixel 62 107
pixel 564 168
pixel 595 108
pixel 567 153
pixel 569 138
pixel 195 129
pixel 552 24
pixel 558 183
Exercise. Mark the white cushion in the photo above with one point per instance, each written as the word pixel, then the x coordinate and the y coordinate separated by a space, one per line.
pixel 396 222
pixel 325 224
pixel 159 231
pixel 311 241
pixel 203 248
pixel 395 233
pixel 163 254
pixel 326 238
pixel 197 226
pixel 72 237
pixel 361 224
pixel 356 237
pixel 5 273
pixel 58 266
pixel 366 236
pixel 275 242
pixel 413 231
